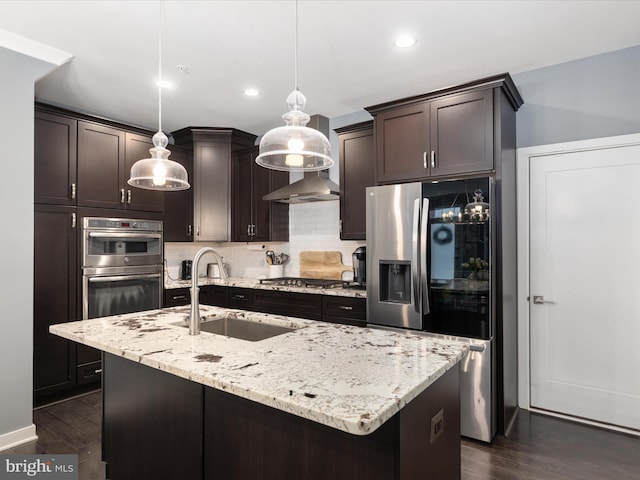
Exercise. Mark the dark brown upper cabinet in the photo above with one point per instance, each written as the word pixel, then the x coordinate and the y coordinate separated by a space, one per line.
pixel 357 172
pixel 442 134
pixel 211 182
pixel 55 157
pixel 105 157
pixel 253 219
pixel 136 148
pixel 178 206
pixel 100 166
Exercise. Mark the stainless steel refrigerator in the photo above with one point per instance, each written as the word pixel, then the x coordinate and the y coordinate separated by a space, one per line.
pixel 430 268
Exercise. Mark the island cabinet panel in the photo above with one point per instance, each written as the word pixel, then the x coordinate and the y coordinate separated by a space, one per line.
pixel 357 172
pixel 292 304
pixel 344 310
pixel 55 157
pixel 244 439
pixel 152 423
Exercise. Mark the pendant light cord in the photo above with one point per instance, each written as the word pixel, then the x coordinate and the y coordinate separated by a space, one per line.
pixel 295 59
pixel 160 67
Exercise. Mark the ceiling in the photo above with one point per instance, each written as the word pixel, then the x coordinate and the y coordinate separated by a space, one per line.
pixel 347 59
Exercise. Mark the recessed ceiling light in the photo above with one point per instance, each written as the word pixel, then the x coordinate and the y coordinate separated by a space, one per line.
pixel 251 92
pixel 164 84
pixel 405 41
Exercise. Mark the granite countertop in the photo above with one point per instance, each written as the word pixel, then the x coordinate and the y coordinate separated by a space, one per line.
pixel 254 283
pixel 349 378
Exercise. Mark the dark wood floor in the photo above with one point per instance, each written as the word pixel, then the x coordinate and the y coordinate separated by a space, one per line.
pixel 539 447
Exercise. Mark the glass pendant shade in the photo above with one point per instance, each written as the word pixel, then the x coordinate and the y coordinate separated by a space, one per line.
pixel 158 172
pixel 295 147
pixel 478 210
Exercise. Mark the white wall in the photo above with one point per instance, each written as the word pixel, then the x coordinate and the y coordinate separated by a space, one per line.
pixel 19 73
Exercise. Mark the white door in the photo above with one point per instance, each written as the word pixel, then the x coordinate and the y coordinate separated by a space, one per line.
pixel 585 263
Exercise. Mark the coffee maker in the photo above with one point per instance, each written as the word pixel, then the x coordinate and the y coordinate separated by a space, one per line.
pixel 360 267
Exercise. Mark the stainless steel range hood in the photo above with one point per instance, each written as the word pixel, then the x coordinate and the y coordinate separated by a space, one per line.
pixel 315 186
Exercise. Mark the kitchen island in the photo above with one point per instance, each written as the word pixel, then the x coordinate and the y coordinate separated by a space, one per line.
pixel 321 401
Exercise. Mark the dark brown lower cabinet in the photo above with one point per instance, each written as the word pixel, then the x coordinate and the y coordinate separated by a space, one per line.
pixel 344 310
pixel 157 425
pixel 54 297
pixel 214 295
pixel 292 304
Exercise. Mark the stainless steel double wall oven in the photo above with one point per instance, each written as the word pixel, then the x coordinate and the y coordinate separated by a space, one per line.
pixel 122 272
pixel 122 266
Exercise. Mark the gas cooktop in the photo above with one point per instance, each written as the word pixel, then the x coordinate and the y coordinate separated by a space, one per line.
pixel 302 282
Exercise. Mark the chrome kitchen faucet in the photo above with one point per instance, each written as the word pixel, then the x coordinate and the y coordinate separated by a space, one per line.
pixel 194 316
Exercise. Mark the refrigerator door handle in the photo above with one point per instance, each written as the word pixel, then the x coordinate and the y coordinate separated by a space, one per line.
pixel 415 266
pixel 423 256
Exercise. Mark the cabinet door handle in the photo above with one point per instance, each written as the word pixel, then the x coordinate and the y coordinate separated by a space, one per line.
pixel 198 231
pixel 253 230
pixel 248 230
pixel 189 230
pixel 433 159
pixel 122 195
pixel 345 307
pixel 340 225
pixel 424 159
pixel 73 190
pixel 97 371
pixel 237 296
pixel 179 297
pixel 73 220
pixel 129 197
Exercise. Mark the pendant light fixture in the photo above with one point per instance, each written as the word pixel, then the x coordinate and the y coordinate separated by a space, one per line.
pixel 158 172
pixel 295 147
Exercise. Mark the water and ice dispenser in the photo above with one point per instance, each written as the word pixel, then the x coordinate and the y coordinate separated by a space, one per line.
pixel 395 281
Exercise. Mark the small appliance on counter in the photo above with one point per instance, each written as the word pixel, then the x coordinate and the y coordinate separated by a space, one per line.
pixel 213 270
pixel 185 270
pixel 360 267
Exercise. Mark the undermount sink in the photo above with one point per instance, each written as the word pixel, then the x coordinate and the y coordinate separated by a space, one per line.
pixel 241 328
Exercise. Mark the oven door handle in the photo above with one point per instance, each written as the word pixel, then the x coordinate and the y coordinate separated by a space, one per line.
pixel 124 235
pixel 121 277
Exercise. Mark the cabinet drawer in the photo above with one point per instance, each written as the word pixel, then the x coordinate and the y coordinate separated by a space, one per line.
pixel 352 310
pixel 303 305
pixel 89 373
pixel 176 297
pixel 241 298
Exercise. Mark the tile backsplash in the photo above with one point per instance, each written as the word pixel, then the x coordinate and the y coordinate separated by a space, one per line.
pixel 313 226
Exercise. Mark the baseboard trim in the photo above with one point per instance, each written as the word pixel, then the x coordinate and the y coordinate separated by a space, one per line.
pixel 18 437
pixel 586 421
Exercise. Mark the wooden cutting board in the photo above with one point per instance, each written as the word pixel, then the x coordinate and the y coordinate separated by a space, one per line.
pixel 321 264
